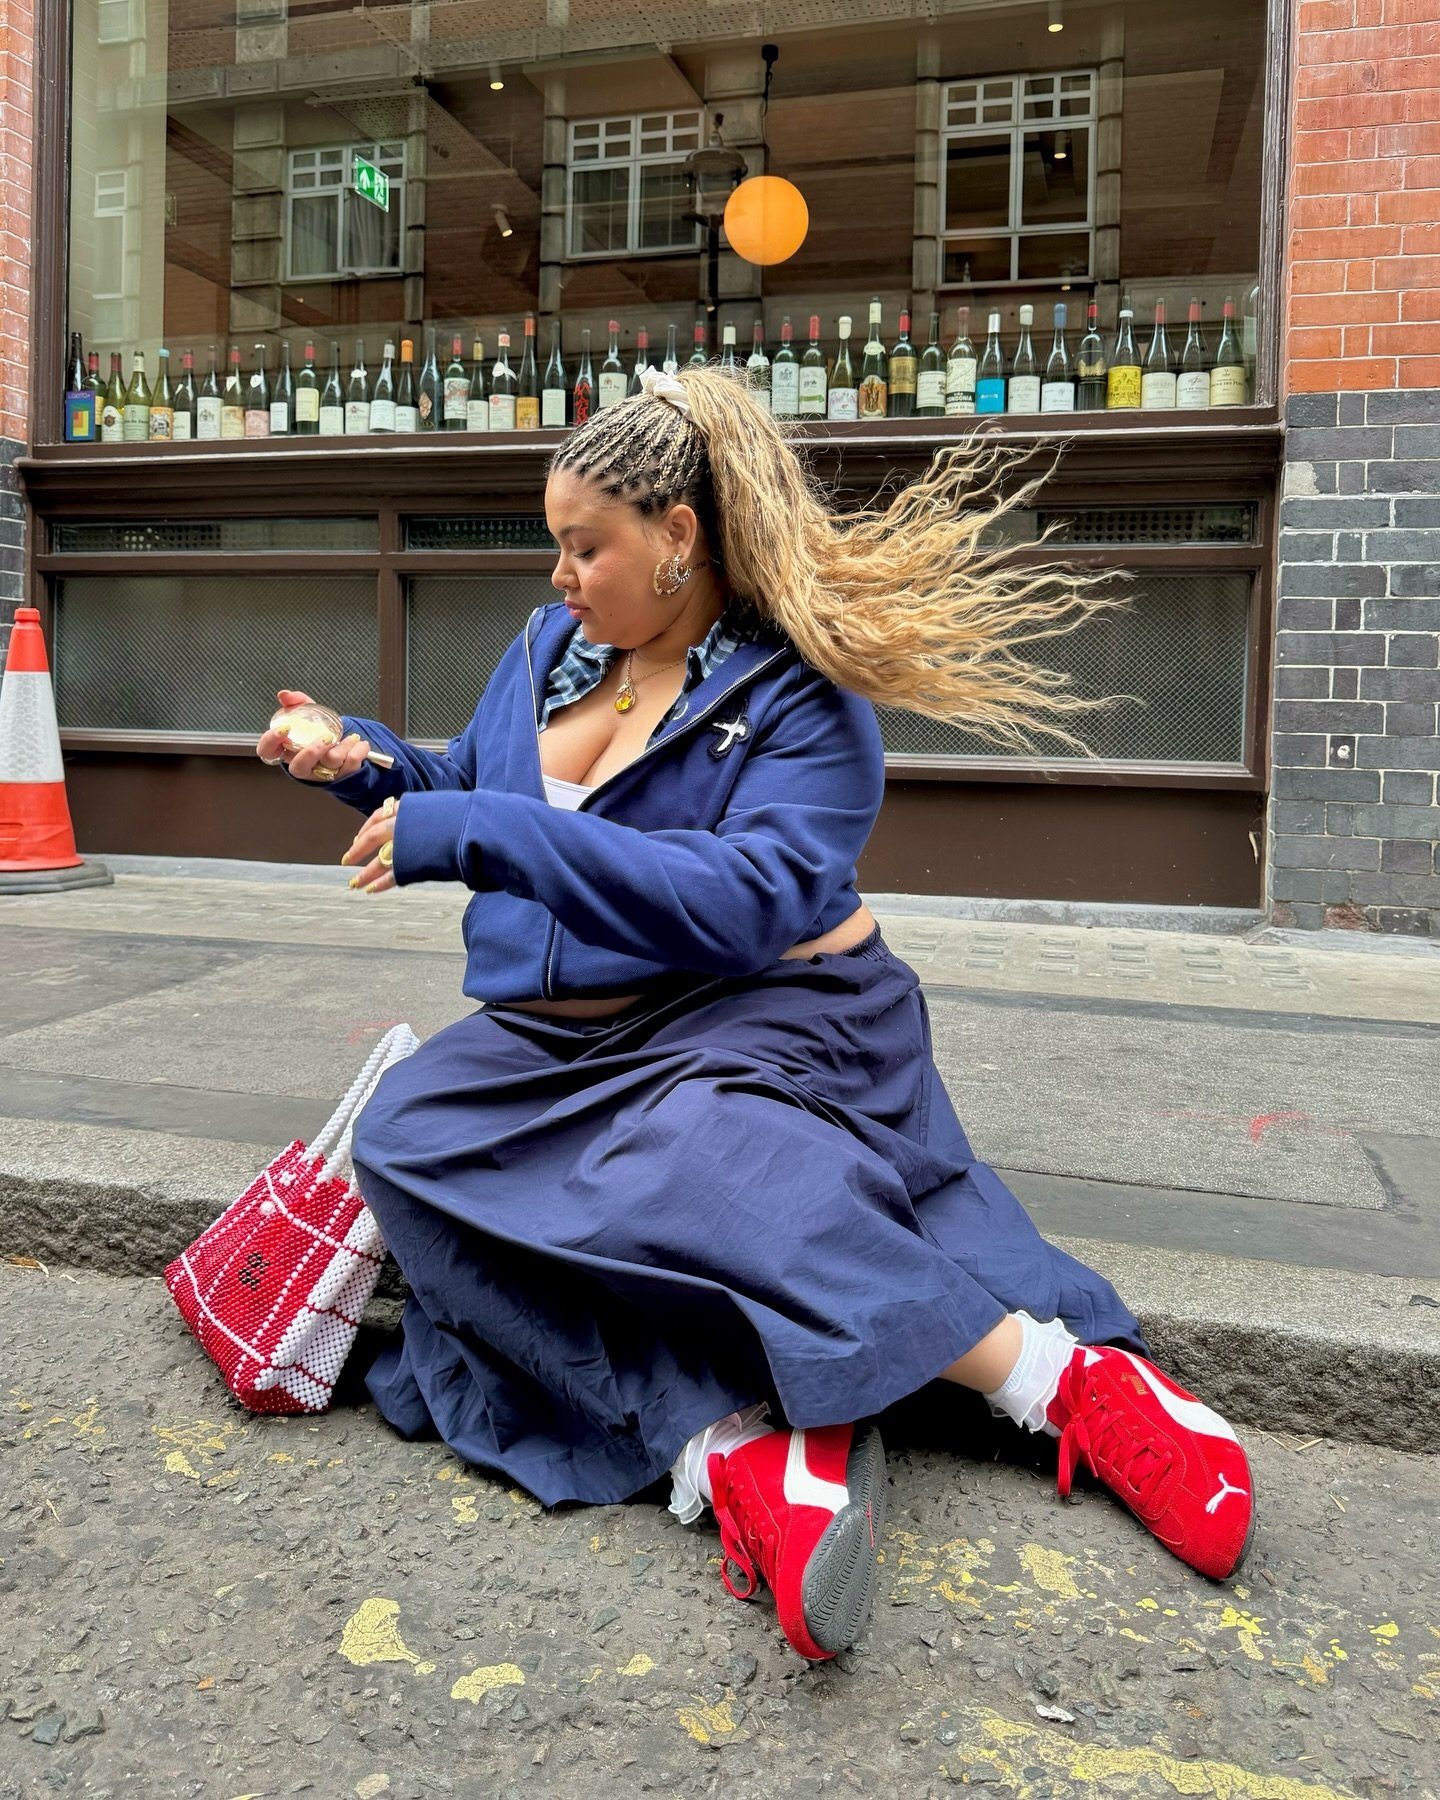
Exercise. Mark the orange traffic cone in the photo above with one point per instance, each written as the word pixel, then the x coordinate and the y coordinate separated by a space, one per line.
pixel 37 840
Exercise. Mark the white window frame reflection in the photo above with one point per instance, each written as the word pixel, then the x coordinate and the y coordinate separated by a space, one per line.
pixel 632 144
pixel 1017 106
pixel 112 201
pixel 326 172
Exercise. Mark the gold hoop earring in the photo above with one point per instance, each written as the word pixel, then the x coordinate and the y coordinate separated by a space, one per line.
pixel 670 576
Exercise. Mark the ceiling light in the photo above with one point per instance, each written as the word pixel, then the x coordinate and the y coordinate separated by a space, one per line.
pixel 503 221
pixel 497 80
pixel 1055 20
pixel 1062 145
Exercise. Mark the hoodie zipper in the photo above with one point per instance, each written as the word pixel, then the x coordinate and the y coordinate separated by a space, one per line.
pixel 547 991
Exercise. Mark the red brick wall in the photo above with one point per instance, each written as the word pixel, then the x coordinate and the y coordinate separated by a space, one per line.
pixel 17 113
pixel 1364 226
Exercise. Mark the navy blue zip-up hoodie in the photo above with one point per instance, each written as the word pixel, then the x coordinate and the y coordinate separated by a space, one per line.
pixel 730 838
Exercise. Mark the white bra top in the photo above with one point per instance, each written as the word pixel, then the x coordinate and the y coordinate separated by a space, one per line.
pixel 567 795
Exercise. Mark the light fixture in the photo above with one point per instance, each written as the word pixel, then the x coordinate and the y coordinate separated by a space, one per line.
pixel 1062 145
pixel 497 80
pixel 502 219
pixel 1055 19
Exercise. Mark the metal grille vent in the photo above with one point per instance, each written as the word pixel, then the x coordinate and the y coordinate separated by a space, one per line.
pixel 458 628
pixel 1149 524
pixel 150 536
pixel 206 653
pixel 1181 648
pixel 492 531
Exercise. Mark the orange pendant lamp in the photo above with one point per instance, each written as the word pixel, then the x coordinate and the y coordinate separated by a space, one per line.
pixel 766 219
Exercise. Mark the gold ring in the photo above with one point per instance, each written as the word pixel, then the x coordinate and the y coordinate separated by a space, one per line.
pixel 321 774
pixel 386 853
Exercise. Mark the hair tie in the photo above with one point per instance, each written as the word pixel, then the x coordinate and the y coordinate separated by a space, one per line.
pixel 657 385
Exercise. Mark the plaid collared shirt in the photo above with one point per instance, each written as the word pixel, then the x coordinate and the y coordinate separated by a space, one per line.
pixel 584 666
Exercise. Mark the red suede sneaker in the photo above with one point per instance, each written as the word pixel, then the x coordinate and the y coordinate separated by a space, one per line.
pixel 1178 1466
pixel 807 1506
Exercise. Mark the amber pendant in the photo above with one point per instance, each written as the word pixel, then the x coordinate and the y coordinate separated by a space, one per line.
pixel 625 699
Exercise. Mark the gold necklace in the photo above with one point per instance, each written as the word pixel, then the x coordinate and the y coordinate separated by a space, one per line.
pixel 625 698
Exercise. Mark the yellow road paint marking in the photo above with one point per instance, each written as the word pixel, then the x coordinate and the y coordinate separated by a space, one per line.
pixel 480 1682
pixel 1248 1626
pixel 1388 1630
pixel 230 1588
pixel 705 1723
pixel 1149 1605
pixel 280 1456
pixel 639 1664
pixel 178 1463
pixel 466 1508
pixel 371 1635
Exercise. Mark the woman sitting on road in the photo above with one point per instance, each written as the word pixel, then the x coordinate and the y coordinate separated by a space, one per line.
pixel 688 1193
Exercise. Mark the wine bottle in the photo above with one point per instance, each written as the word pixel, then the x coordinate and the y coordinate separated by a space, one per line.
pixel 1157 378
pixel 671 361
pixel 904 373
pixel 208 403
pixel 960 370
pixel 502 388
pixel 1090 364
pixel 990 373
pixel 92 377
pixel 757 367
pixel 699 356
pixel 332 398
pixel 282 396
pixel 612 371
pixel 930 376
pixel 257 397
pixel 407 400
pixel 642 360
pixel 1057 388
pixel 527 392
pixel 432 389
pixel 232 400
pixel 555 393
pixel 382 398
pixel 137 403
pixel 1024 394
pixel 457 388
pixel 307 395
pixel 842 400
pixel 162 403
pixel 477 404
pixel 357 395
pixel 785 377
pixel 80 426
pixel 583 399
pixel 1192 385
pixel 1227 373
pixel 813 382
pixel 728 363
pixel 112 408
pixel 185 400
pixel 1249 339
pixel 873 393
pixel 1122 378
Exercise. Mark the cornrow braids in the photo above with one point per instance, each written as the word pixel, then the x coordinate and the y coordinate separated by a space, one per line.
pixel 643 451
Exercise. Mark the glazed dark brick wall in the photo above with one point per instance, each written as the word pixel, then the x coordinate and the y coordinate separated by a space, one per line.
pixel 1354 820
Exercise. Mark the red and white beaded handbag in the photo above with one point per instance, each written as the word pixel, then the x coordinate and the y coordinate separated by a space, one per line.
pixel 274 1289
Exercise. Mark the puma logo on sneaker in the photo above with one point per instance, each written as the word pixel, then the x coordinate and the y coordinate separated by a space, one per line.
pixel 1213 1503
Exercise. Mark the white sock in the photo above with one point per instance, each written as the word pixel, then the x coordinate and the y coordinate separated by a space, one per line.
pixel 1026 1393
pixel 690 1475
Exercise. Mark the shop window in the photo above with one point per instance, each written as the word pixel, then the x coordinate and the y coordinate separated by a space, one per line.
pixel 1019 179
pixel 628 195
pixel 332 231
pixel 112 212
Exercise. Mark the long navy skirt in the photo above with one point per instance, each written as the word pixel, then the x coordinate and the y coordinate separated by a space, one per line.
pixel 616 1231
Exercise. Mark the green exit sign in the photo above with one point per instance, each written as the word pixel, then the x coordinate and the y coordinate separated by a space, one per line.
pixel 372 184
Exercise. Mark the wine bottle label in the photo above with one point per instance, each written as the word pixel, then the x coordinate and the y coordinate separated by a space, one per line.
pixel 502 412
pixel 1024 394
pixel 583 392
pixel 990 395
pixel 427 407
pixel 407 418
pixel 1227 385
pixel 1192 388
pixel 612 389
pixel 332 421
pixel 307 406
pixel 357 417
pixel 527 412
pixel 207 416
pixel 232 422
pixel 457 397
pixel 1122 386
pixel 785 389
pixel 1157 390
pixel 137 422
pixel 960 386
pixel 279 418
pixel 812 393
pixel 382 415
pixel 257 423
pixel 844 403
pixel 1057 396
pixel 162 423
pixel 873 395
pixel 477 414
pixel 552 408
pixel 112 424
pixel 903 376
pixel 930 391
pixel 182 431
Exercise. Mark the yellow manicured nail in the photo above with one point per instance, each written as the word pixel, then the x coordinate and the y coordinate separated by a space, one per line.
pixel 354 881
